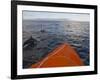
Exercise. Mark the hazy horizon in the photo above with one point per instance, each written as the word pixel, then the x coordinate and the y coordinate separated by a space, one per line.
pixel 40 15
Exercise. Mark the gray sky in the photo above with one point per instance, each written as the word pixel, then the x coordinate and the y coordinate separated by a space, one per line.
pixel 55 15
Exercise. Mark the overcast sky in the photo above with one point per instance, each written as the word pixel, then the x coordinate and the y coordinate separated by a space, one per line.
pixel 27 15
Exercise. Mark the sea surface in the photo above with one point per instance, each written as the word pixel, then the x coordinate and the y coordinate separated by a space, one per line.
pixel 51 33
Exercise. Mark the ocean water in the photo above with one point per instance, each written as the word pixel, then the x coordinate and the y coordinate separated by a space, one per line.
pixel 49 34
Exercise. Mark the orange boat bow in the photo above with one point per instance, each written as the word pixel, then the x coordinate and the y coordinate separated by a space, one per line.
pixel 64 55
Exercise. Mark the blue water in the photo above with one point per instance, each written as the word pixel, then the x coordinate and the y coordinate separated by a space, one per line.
pixel 73 32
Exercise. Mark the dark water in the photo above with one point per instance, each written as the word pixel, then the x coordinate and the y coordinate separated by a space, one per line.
pixel 49 34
